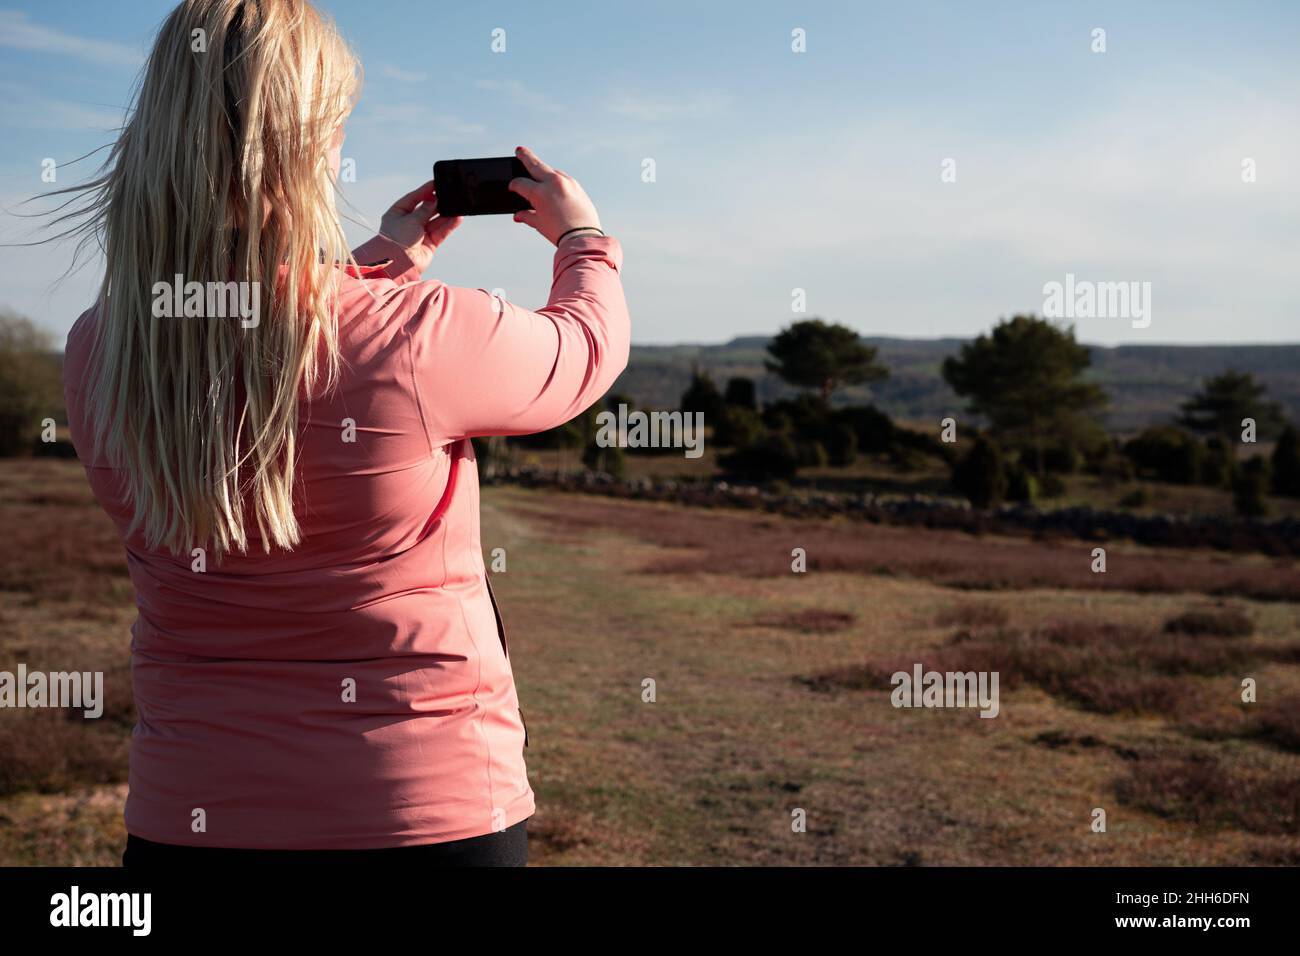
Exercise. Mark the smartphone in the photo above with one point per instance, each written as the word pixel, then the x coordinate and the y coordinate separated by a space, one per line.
pixel 478 187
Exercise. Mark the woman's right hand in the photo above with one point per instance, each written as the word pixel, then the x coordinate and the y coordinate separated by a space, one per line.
pixel 559 203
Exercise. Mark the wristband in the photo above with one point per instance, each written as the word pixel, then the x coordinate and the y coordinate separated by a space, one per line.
pixel 578 229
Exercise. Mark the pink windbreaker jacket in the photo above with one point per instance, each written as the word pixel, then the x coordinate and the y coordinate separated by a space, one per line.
pixel 356 692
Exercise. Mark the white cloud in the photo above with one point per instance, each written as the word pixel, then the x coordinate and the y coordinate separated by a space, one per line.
pixel 415 123
pixel 19 32
pixel 521 94
pixel 402 76
pixel 21 108
pixel 657 109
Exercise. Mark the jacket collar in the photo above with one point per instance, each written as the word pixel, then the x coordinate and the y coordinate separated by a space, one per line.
pixel 373 270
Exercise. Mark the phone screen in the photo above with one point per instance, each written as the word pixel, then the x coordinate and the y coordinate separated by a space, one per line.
pixel 478 187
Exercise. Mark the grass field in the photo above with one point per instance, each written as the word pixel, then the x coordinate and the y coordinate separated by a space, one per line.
pixel 1119 691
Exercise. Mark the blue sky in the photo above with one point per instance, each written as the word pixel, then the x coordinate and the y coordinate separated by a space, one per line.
pixel 776 170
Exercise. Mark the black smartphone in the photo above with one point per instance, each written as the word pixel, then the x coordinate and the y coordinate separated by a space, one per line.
pixel 478 187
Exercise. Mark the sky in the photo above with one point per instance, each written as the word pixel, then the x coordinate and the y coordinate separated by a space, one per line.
pixel 828 171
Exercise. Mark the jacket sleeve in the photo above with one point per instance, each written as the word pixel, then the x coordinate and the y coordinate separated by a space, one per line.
pixel 483 366
pixel 397 264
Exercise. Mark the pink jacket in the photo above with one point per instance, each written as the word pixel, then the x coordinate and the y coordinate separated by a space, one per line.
pixel 241 672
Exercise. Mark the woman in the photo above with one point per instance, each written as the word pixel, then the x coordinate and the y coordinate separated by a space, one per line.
pixel 319 666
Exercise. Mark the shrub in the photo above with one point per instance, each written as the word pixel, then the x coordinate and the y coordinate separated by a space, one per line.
pixel 1286 463
pixel 1203 791
pixel 738 426
pixel 1249 487
pixel 1167 453
pixel 610 460
pixel 773 458
pixel 873 429
pixel 1279 723
pixel 1219 466
pixel 806 414
pixel 1021 484
pixel 1052 486
pixel 1220 622
pixel 841 445
pixel 29 384
pixel 1139 497
pixel 740 393
pixel 703 396
pixel 981 474
pixel 812 454
pixel 1064 458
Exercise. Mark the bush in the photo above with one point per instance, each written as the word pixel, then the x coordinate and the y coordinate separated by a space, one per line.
pixel 873 429
pixel 1052 486
pixel 812 454
pixel 30 389
pixel 703 396
pixel 738 427
pixel 741 394
pixel 1286 463
pixel 981 474
pixel 1219 622
pixel 1220 464
pixel 841 445
pixel 904 457
pixel 1139 497
pixel 1279 723
pixel 1111 464
pixel 1168 454
pixel 1249 486
pixel 1021 484
pixel 806 414
pixel 925 443
pixel 1066 459
pixel 773 458
pixel 610 460
pixel 574 433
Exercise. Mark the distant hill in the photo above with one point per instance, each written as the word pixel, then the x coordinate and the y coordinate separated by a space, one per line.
pixel 1146 382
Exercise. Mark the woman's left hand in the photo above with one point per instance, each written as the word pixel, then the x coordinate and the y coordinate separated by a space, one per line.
pixel 413 224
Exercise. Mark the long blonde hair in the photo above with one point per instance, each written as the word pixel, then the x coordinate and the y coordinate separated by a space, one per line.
pixel 220 175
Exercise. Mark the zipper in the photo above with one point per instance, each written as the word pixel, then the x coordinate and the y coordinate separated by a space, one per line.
pixel 501 627
pixel 505 647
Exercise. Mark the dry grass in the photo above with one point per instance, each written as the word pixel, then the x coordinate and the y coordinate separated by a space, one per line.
pixel 1100 666
pixel 1278 723
pixel 1214 621
pixel 704 541
pixel 1203 791
pixel 769 693
pixel 810 620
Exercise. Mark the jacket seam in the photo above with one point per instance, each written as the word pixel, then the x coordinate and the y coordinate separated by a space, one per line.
pixel 482 711
pixel 415 387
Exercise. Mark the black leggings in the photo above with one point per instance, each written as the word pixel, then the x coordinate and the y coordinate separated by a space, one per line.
pixel 509 847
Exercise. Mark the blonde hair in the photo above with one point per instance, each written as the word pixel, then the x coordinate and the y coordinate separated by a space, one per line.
pixel 220 174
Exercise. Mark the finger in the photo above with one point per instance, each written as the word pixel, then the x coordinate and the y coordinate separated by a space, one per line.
pixel 536 168
pixel 528 188
pixel 440 228
pixel 412 199
pixel 425 211
pixel 527 216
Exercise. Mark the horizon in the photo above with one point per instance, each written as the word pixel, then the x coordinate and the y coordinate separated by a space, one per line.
pixel 1123 166
pixel 967 338
pixel 958 338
